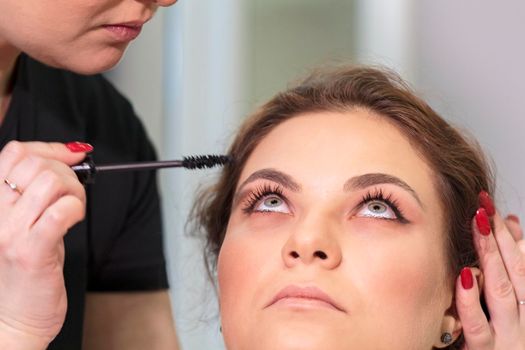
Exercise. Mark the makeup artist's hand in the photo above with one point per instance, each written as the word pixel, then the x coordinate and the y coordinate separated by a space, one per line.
pixel 502 259
pixel 40 199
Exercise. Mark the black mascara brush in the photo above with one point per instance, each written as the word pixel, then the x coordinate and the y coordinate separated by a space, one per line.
pixel 87 170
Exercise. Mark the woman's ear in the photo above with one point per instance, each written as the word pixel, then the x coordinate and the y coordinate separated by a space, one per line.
pixel 450 330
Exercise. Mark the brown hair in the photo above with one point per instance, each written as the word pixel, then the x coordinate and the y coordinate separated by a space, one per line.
pixel 461 170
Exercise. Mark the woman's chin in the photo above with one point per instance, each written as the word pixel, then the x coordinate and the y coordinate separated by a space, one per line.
pixel 292 342
pixel 291 336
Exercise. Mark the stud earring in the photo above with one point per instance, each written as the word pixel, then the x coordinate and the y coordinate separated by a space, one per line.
pixel 446 338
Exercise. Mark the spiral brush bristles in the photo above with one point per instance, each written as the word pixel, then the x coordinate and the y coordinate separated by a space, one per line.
pixel 200 162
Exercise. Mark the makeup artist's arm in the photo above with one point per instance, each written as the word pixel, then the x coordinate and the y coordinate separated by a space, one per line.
pixel 43 201
pixel 502 258
pixel 138 320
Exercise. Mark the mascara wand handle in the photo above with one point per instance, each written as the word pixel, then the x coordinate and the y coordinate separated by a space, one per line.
pixel 87 170
pixel 153 165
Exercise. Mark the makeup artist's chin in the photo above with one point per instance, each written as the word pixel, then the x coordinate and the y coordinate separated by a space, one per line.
pixel 93 61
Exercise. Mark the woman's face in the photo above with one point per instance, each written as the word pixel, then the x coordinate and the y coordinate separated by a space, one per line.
pixel 85 36
pixel 335 241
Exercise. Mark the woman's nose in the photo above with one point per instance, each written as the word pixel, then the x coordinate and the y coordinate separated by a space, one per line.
pixel 312 241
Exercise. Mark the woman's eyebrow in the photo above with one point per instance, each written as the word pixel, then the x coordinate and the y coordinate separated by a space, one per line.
pixel 277 176
pixel 371 179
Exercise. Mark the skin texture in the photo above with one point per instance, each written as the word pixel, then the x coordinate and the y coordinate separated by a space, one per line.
pixel 387 276
pixel 69 33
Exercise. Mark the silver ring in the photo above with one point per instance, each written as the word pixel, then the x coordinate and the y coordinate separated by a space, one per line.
pixel 13 186
pixel 521 302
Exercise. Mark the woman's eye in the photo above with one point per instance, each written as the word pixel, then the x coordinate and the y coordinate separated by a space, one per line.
pixel 377 209
pixel 272 203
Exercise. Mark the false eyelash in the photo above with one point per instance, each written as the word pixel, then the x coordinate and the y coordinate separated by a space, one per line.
pixel 378 195
pixel 259 193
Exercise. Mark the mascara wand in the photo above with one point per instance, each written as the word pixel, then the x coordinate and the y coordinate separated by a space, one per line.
pixel 87 170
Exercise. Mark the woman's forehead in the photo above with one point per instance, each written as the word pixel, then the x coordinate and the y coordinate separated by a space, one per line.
pixel 329 143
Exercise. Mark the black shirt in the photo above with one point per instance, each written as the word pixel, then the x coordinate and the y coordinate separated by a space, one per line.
pixel 118 247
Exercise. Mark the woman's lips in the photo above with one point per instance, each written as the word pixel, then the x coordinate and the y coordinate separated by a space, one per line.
pixel 124 32
pixel 304 297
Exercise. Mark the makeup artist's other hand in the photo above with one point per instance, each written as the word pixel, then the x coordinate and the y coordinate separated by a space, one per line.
pixel 502 260
pixel 40 199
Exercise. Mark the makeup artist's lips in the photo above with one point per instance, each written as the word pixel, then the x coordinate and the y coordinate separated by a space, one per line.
pixel 125 31
pixel 304 298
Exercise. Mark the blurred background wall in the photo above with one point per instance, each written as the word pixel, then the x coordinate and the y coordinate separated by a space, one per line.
pixel 202 65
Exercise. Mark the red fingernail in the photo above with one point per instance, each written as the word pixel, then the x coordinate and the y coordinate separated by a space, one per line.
pixel 79 147
pixel 482 220
pixel 514 218
pixel 486 202
pixel 467 280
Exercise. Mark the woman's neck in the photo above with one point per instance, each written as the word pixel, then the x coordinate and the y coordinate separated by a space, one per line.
pixel 8 56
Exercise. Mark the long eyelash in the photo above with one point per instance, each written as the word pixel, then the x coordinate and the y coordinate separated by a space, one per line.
pixel 378 195
pixel 259 193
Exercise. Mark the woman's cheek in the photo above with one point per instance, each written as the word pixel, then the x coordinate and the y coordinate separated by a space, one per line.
pixel 251 249
pixel 397 266
pixel 260 224
pixel 251 242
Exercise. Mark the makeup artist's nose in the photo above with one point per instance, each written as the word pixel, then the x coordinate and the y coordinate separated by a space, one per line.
pixel 312 242
pixel 164 3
